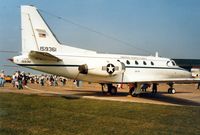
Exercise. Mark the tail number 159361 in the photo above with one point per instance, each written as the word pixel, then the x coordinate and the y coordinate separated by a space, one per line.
pixel 48 49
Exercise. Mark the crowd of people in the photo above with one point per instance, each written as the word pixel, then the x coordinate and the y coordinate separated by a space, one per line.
pixel 20 79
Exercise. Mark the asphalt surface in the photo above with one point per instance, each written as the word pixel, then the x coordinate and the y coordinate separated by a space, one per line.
pixel 186 94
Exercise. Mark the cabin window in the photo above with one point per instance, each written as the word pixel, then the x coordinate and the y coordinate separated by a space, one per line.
pixel 152 63
pixel 128 62
pixel 144 62
pixel 136 63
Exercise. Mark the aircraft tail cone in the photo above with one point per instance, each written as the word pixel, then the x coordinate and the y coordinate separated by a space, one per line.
pixel 10 59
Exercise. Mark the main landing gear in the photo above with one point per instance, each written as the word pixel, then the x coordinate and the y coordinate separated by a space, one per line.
pixel 112 90
pixel 132 92
pixel 171 89
pixel 135 89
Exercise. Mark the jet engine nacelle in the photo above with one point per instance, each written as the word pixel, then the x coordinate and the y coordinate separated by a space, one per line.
pixel 102 69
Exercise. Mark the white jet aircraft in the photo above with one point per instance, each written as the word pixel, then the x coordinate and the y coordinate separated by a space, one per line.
pixel 42 51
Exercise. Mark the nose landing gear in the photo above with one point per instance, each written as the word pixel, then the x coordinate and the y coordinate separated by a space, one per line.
pixel 171 89
pixel 135 89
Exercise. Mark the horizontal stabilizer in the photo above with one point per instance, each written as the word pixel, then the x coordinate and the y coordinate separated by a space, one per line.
pixel 43 56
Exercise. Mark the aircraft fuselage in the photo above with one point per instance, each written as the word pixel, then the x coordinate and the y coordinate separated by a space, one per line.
pixel 129 69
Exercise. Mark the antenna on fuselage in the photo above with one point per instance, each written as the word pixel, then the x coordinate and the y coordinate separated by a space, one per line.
pixel 156 54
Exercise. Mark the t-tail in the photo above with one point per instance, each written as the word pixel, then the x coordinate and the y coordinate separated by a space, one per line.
pixel 37 35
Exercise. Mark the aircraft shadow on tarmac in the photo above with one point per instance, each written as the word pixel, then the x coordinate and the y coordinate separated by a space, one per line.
pixel 160 96
pixel 97 93
pixel 169 99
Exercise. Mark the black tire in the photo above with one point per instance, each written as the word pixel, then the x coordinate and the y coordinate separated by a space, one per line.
pixel 132 93
pixel 170 90
pixel 113 90
pixel 131 90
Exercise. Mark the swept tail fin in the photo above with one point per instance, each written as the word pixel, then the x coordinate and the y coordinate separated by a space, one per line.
pixel 36 34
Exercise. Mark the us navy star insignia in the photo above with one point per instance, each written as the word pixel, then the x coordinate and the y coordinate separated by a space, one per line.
pixel 110 68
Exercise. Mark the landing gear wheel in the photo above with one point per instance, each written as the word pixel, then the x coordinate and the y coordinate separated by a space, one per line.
pixel 171 91
pixel 113 90
pixel 134 95
pixel 132 92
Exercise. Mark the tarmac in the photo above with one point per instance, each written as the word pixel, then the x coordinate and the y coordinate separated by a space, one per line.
pixel 186 94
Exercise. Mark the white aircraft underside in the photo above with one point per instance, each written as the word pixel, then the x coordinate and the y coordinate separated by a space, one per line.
pixel 42 51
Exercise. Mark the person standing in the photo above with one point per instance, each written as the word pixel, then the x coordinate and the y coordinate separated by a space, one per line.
pixel 55 80
pixel 63 81
pixel 19 79
pixel 14 79
pixel 24 79
pixel 42 80
pixel 2 78
pixel 154 88
pixel 51 80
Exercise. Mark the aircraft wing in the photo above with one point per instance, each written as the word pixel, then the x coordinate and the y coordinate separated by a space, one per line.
pixel 43 56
